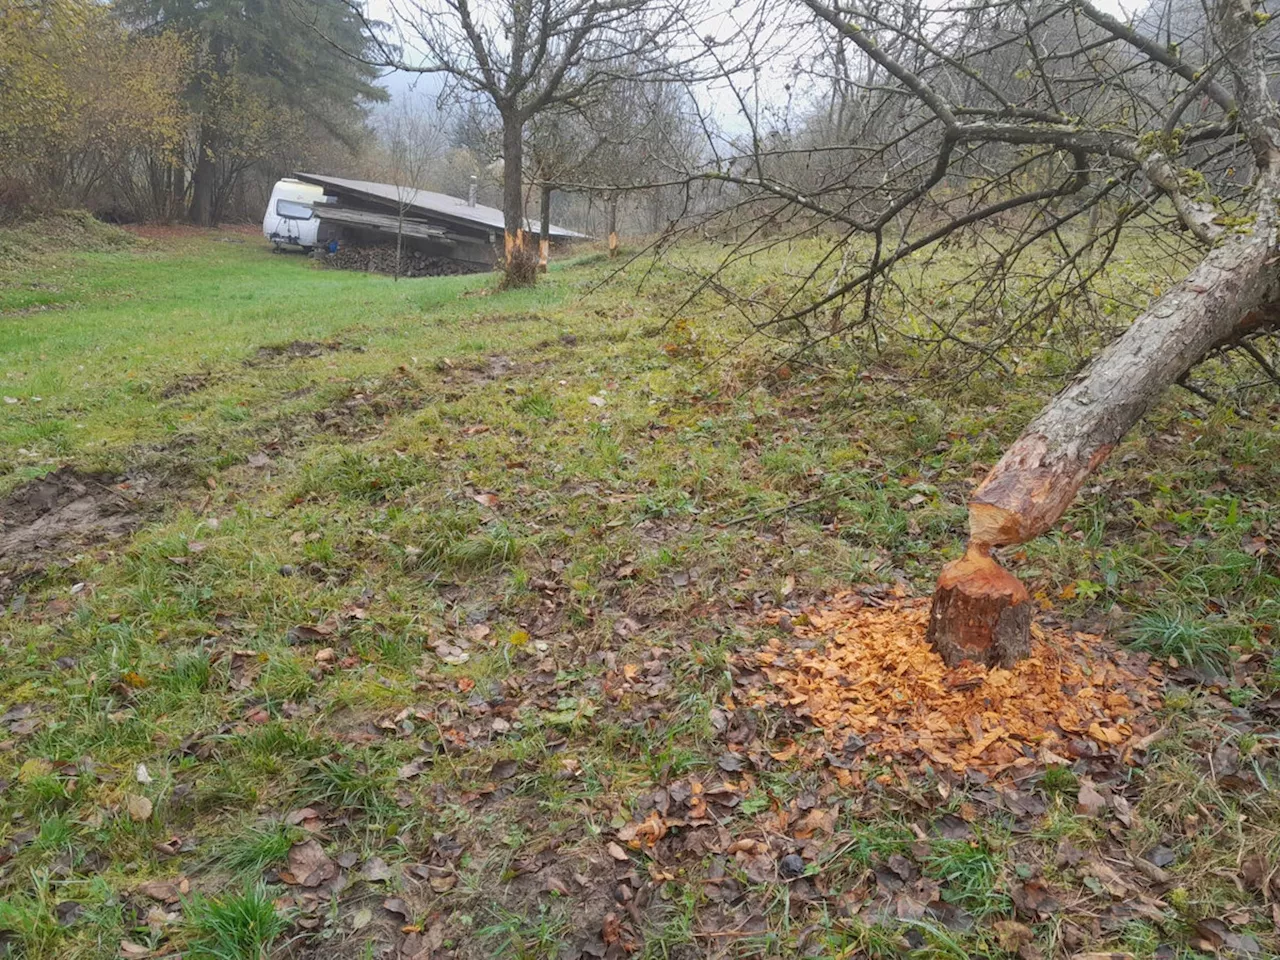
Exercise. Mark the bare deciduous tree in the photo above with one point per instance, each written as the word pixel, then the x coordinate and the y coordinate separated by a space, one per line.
pixel 526 58
pixel 414 140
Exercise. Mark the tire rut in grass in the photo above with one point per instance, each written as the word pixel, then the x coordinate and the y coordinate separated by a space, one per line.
pixel 56 516
pixel 297 350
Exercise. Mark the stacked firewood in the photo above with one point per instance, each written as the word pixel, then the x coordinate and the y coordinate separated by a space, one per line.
pixel 382 259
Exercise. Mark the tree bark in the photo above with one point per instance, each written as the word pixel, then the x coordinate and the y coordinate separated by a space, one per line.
pixel 516 259
pixel 544 229
pixel 613 226
pixel 981 612
pixel 1039 475
pixel 202 181
pixel 178 190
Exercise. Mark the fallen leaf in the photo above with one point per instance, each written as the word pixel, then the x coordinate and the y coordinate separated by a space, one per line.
pixel 1106 875
pixel 141 774
pixel 730 762
pixel 1161 856
pixel 376 870
pixel 487 500
pixel 399 907
pixel 616 851
pixel 139 807
pixel 504 769
pixel 160 890
pixel 361 918
pixel 1011 934
pixel 303 632
pixel 133 950
pixel 1089 801
pixel 309 865
pixel 443 883
pixel 68 912
pixel 1218 935
pixel 413 768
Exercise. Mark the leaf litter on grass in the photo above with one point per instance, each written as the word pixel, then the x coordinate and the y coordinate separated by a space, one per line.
pixel 868 678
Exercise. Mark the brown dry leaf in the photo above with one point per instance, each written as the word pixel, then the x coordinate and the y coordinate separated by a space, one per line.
pixel 397 906
pixel 1089 801
pixel 159 890
pixel 817 820
pixel 489 500
pixel 1215 935
pixel 1107 875
pixel 311 632
pixel 646 832
pixel 1103 955
pixel 787 752
pixel 441 879
pixel 376 870
pixel 133 950
pixel 616 851
pixel 1035 899
pixel 139 807
pixel 1011 934
pixel 309 865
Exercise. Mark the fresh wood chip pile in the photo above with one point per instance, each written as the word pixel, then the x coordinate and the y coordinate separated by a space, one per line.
pixel 866 676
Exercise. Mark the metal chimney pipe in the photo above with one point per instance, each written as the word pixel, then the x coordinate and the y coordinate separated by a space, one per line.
pixel 471 191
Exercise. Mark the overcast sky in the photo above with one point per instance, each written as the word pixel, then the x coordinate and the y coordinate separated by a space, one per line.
pixel 715 98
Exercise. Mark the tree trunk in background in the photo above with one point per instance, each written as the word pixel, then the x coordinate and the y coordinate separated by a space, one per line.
pixel 544 229
pixel 202 181
pixel 977 609
pixel 519 266
pixel 177 190
pixel 399 240
pixel 655 211
pixel 613 226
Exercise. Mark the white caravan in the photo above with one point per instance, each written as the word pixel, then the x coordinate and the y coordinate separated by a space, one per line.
pixel 290 221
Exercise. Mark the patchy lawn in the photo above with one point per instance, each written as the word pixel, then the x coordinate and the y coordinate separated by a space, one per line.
pixel 353 618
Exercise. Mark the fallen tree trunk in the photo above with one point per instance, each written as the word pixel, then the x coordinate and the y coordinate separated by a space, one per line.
pixel 1229 292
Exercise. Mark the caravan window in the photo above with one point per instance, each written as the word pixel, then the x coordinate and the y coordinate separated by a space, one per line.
pixel 292 210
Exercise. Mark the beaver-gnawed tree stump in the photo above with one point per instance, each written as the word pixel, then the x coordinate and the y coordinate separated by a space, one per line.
pixel 981 612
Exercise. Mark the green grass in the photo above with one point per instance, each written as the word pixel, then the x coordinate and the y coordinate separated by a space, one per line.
pixel 238 926
pixel 479 513
pixel 255 846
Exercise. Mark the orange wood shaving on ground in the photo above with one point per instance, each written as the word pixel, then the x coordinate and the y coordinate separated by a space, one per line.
pixel 872 674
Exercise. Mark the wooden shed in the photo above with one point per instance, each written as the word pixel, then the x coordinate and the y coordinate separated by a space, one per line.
pixel 462 233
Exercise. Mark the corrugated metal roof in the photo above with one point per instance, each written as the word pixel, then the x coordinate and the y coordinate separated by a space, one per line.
pixel 429 203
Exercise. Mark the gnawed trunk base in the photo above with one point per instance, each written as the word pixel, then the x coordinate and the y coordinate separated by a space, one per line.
pixel 981 612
